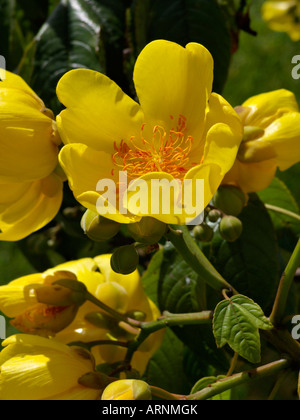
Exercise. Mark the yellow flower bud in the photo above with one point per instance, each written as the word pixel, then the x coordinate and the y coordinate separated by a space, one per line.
pixel 127 390
pixel 37 368
pixel 45 320
pixel 58 295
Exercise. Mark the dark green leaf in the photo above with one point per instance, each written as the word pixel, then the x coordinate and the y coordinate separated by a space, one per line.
pixel 165 368
pixel 185 21
pixel 13 263
pixel 277 194
pixel 251 263
pixel 181 291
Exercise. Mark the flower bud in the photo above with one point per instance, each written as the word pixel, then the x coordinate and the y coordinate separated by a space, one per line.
pixel 137 315
pixel 214 216
pixel 231 228
pixel 97 227
pixel 230 200
pixel 127 389
pixel 203 233
pixel 57 295
pixel 125 260
pixel 148 231
pixel 45 320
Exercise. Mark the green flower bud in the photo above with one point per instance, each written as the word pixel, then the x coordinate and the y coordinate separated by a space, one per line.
pixel 203 233
pixel 137 315
pixel 214 216
pixel 125 260
pixel 95 380
pixel 231 228
pixel 148 231
pixel 230 200
pixel 98 228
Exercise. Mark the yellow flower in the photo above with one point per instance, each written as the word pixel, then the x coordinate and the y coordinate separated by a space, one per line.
pixel 179 131
pixel 123 293
pixel 31 193
pixel 271 140
pixel 283 16
pixel 36 368
pixel 127 390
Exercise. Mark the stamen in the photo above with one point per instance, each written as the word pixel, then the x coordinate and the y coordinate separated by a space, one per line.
pixel 165 152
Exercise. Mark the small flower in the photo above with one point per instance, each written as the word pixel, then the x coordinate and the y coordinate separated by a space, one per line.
pixel 21 300
pixel 30 190
pixel 283 16
pixel 127 390
pixel 37 368
pixel 271 140
pixel 179 131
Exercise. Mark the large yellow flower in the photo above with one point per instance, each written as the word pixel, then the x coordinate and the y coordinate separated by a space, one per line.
pixel 179 131
pixel 30 191
pixel 271 140
pixel 36 368
pixel 123 293
pixel 283 16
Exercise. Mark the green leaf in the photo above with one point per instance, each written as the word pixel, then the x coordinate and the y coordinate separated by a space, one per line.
pixel 13 263
pixel 278 194
pixel 291 179
pixel 180 21
pixel 165 369
pixel 237 322
pixel 150 277
pixel 74 37
pixel 181 291
pixel 250 264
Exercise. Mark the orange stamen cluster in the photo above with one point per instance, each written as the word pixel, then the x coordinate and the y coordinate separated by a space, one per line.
pixel 166 152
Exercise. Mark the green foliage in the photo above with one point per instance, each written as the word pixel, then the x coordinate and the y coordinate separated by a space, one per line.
pixel 236 322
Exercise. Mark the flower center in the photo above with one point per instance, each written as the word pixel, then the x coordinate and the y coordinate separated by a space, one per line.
pixel 165 152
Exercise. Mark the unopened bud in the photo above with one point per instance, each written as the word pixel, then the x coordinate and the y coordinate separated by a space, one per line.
pixel 125 259
pixel 214 216
pixel 57 295
pixel 231 228
pixel 127 389
pixel 203 233
pixel 45 320
pixel 100 320
pixel 148 231
pixel 97 227
pixel 230 200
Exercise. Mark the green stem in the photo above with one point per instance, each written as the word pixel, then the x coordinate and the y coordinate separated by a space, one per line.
pixel 165 395
pixel 192 254
pixel 167 320
pixel 115 314
pixel 283 211
pixel 230 382
pixel 285 286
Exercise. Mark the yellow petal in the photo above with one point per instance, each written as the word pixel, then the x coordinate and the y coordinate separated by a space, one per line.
pixel 24 217
pixel 98 112
pixel 284 136
pixel 85 167
pixel 251 177
pixel 267 107
pixel 171 81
